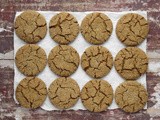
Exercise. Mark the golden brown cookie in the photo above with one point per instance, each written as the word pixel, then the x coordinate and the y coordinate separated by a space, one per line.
pixel 97 95
pixel 132 29
pixel 31 59
pixel 96 28
pixel 131 63
pixel 97 61
pixel 30 26
pixel 31 92
pixel 64 92
pixel 63 60
pixel 131 96
pixel 63 28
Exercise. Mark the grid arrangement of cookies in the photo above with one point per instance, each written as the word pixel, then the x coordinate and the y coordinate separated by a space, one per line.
pixel 97 61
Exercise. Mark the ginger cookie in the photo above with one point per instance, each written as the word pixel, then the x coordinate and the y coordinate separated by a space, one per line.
pixel 97 95
pixel 96 28
pixel 64 92
pixel 131 63
pixel 97 61
pixel 30 26
pixel 31 92
pixel 31 59
pixel 63 28
pixel 132 29
pixel 131 96
pixel 63 60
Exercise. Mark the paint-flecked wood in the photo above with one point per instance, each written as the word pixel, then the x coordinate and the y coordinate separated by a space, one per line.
pixel 9 110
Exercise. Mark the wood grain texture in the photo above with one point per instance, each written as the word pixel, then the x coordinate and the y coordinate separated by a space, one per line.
pixel 9 110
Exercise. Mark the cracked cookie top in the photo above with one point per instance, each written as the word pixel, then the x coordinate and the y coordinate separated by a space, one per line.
pixel 31 59
pixel 63 28
pixel 132 29
pixel 30 26
pixel 131 63
pixel 131 96
pixel 64 92
pixel 63 60
pixel 96 28
pixel 31 92
pixel 97 61
pixel 97 95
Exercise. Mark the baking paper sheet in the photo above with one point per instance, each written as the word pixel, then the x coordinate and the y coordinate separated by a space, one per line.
pixel 113 44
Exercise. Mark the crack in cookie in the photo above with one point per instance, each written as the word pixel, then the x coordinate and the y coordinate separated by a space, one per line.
pixel 30 26
pixel 31 92
pixel 131 63
pixel 97 95
pixel 131 96
pixel 63 28
pixel 64 92
pixel 97 61
pixel 96 28
pixel 31 59
pixel 132 29
pixel 63 60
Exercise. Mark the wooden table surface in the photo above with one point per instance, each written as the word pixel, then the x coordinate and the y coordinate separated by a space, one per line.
pixel 9 110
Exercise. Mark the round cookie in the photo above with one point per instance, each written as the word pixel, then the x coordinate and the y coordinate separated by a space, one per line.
pixel 96 28
pixel 131 63
pixel 64 92
pixel 132 29
pixel 63 28
pixel 30 59
pixel 31 92
pixel 97 61
pixel 63 60
pixel 131 96
pixel 97 95
pixel 30 26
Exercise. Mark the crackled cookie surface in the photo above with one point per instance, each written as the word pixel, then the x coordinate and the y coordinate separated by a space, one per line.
pixel 31 92
pixel 30 59
pixel 131 63
pixel 97 95
pixel 131 96
pixel 64 92
pixel 97 61
pixel 63 60
pixel 132 29
pixel 96 28
pixel 30 26
pixel 63 28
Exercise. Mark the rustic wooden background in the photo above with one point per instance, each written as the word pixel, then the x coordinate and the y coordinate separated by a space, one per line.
pixel 9 110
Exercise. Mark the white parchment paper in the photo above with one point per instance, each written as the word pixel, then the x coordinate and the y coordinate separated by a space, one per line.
pixel 113 44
